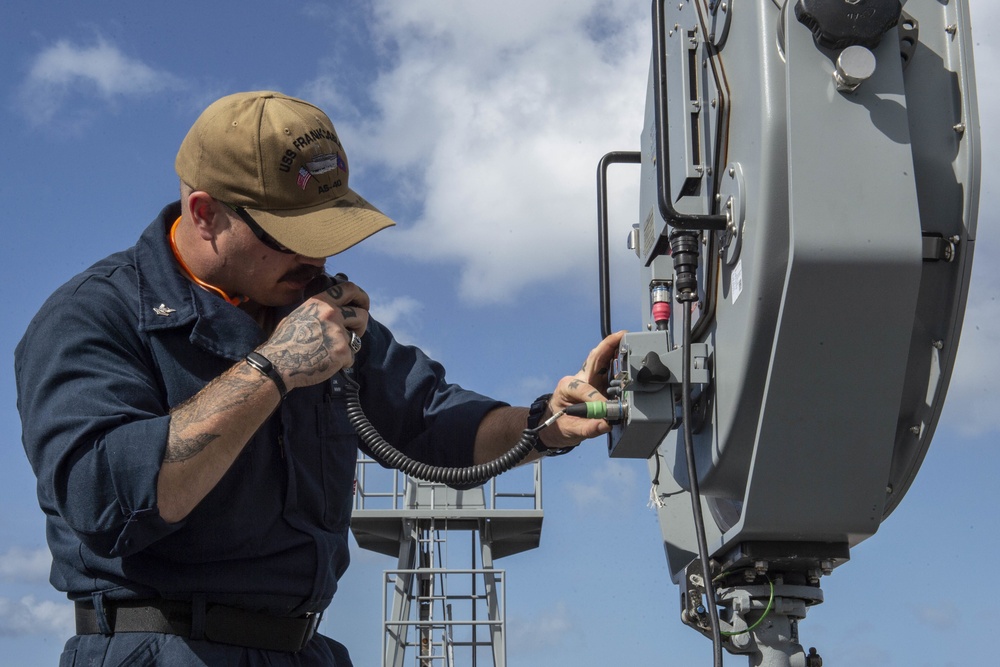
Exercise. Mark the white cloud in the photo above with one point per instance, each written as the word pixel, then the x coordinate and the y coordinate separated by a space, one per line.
pixel 401 314
pixel 614 484
pixel 29 616
pixel 18 564
pixel 66 68
pixel 974 390
pixel 546 630
pixel 494 118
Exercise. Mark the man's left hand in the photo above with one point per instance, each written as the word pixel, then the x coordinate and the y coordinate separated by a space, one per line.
pixel 589 384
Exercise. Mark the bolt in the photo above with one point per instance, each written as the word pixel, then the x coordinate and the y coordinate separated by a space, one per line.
pixel 959 127
pixel 826 566
pixel 854 66
pixel 732 172
pixel 724 8
pixel 915 430
pixel 951 29
pixel 760 566
pixel 715 102
pixel 938 344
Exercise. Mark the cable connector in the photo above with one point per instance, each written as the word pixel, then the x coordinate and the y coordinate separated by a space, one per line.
pixel 612 411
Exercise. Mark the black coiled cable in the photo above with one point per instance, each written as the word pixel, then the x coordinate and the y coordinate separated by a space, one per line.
pixel 388 455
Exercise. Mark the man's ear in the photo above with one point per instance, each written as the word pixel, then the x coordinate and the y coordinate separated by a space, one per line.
pixel 207 214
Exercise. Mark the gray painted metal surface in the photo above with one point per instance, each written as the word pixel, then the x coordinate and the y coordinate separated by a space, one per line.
pixel 830 309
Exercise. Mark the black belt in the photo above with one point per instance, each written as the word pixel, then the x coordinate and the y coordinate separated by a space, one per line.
pixel 224 625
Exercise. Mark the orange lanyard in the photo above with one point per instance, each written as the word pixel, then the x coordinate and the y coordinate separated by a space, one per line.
pixel 234 300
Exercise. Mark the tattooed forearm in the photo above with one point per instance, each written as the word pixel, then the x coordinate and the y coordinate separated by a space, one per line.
pixel 197 408
pixel 188 420
pixel 206 434
pixel 181 449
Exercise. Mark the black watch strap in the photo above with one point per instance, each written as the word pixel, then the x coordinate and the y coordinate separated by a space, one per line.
pixel 535 414
pixel 537 410
pixel 264 365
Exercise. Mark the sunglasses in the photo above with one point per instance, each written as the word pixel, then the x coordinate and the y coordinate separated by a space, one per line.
pixel 261 235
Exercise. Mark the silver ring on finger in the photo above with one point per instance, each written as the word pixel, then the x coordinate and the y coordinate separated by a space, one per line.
pixel 355 343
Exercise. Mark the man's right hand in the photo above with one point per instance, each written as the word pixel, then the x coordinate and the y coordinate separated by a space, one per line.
pixel 313 342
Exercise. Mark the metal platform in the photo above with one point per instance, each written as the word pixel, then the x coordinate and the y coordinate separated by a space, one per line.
pixel 459 614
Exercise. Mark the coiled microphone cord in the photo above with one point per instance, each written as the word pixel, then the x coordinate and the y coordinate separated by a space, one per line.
pixel 388 455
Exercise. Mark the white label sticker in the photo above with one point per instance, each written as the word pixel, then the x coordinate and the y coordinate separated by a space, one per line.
pixel 736 280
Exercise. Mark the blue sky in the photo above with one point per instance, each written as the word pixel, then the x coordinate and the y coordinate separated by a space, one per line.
pixel 478 127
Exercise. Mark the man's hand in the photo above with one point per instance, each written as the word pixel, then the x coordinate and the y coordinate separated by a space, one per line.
pixel 313 341
pixel 208 431
pixel 589 384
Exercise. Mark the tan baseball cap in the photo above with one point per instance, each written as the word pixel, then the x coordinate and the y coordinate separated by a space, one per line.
pixel 279 158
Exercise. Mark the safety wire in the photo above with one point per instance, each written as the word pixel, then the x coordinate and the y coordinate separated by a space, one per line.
pixel 767 610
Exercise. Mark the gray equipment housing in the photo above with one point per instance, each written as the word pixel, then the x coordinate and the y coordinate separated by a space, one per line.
pixel 830 306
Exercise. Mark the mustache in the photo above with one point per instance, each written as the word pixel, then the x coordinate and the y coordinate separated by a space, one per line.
pixel 303 274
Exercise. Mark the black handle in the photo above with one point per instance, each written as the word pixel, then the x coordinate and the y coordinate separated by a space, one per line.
pixel 675 219
pixel 615 157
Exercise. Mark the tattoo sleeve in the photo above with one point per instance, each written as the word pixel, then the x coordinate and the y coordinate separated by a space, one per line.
pixel 189 433
pixel 181 449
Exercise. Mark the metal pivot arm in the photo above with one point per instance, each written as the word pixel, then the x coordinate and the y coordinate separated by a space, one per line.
pixel 673 218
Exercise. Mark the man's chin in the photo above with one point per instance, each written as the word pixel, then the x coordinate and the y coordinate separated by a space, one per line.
pixel 285 295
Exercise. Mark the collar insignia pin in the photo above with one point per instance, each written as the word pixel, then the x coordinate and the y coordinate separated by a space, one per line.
pixel 164 310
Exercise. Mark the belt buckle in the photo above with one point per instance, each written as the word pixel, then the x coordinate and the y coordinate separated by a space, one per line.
pixel 313 619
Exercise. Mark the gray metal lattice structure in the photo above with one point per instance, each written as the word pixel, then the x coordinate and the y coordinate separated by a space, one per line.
pixel 440 613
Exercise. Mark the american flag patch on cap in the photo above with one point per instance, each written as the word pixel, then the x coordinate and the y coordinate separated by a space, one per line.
pixel 303 178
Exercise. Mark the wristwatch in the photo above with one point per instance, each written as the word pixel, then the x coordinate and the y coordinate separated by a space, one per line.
pixel 265 367
pixel 535 414
pixel 537 410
